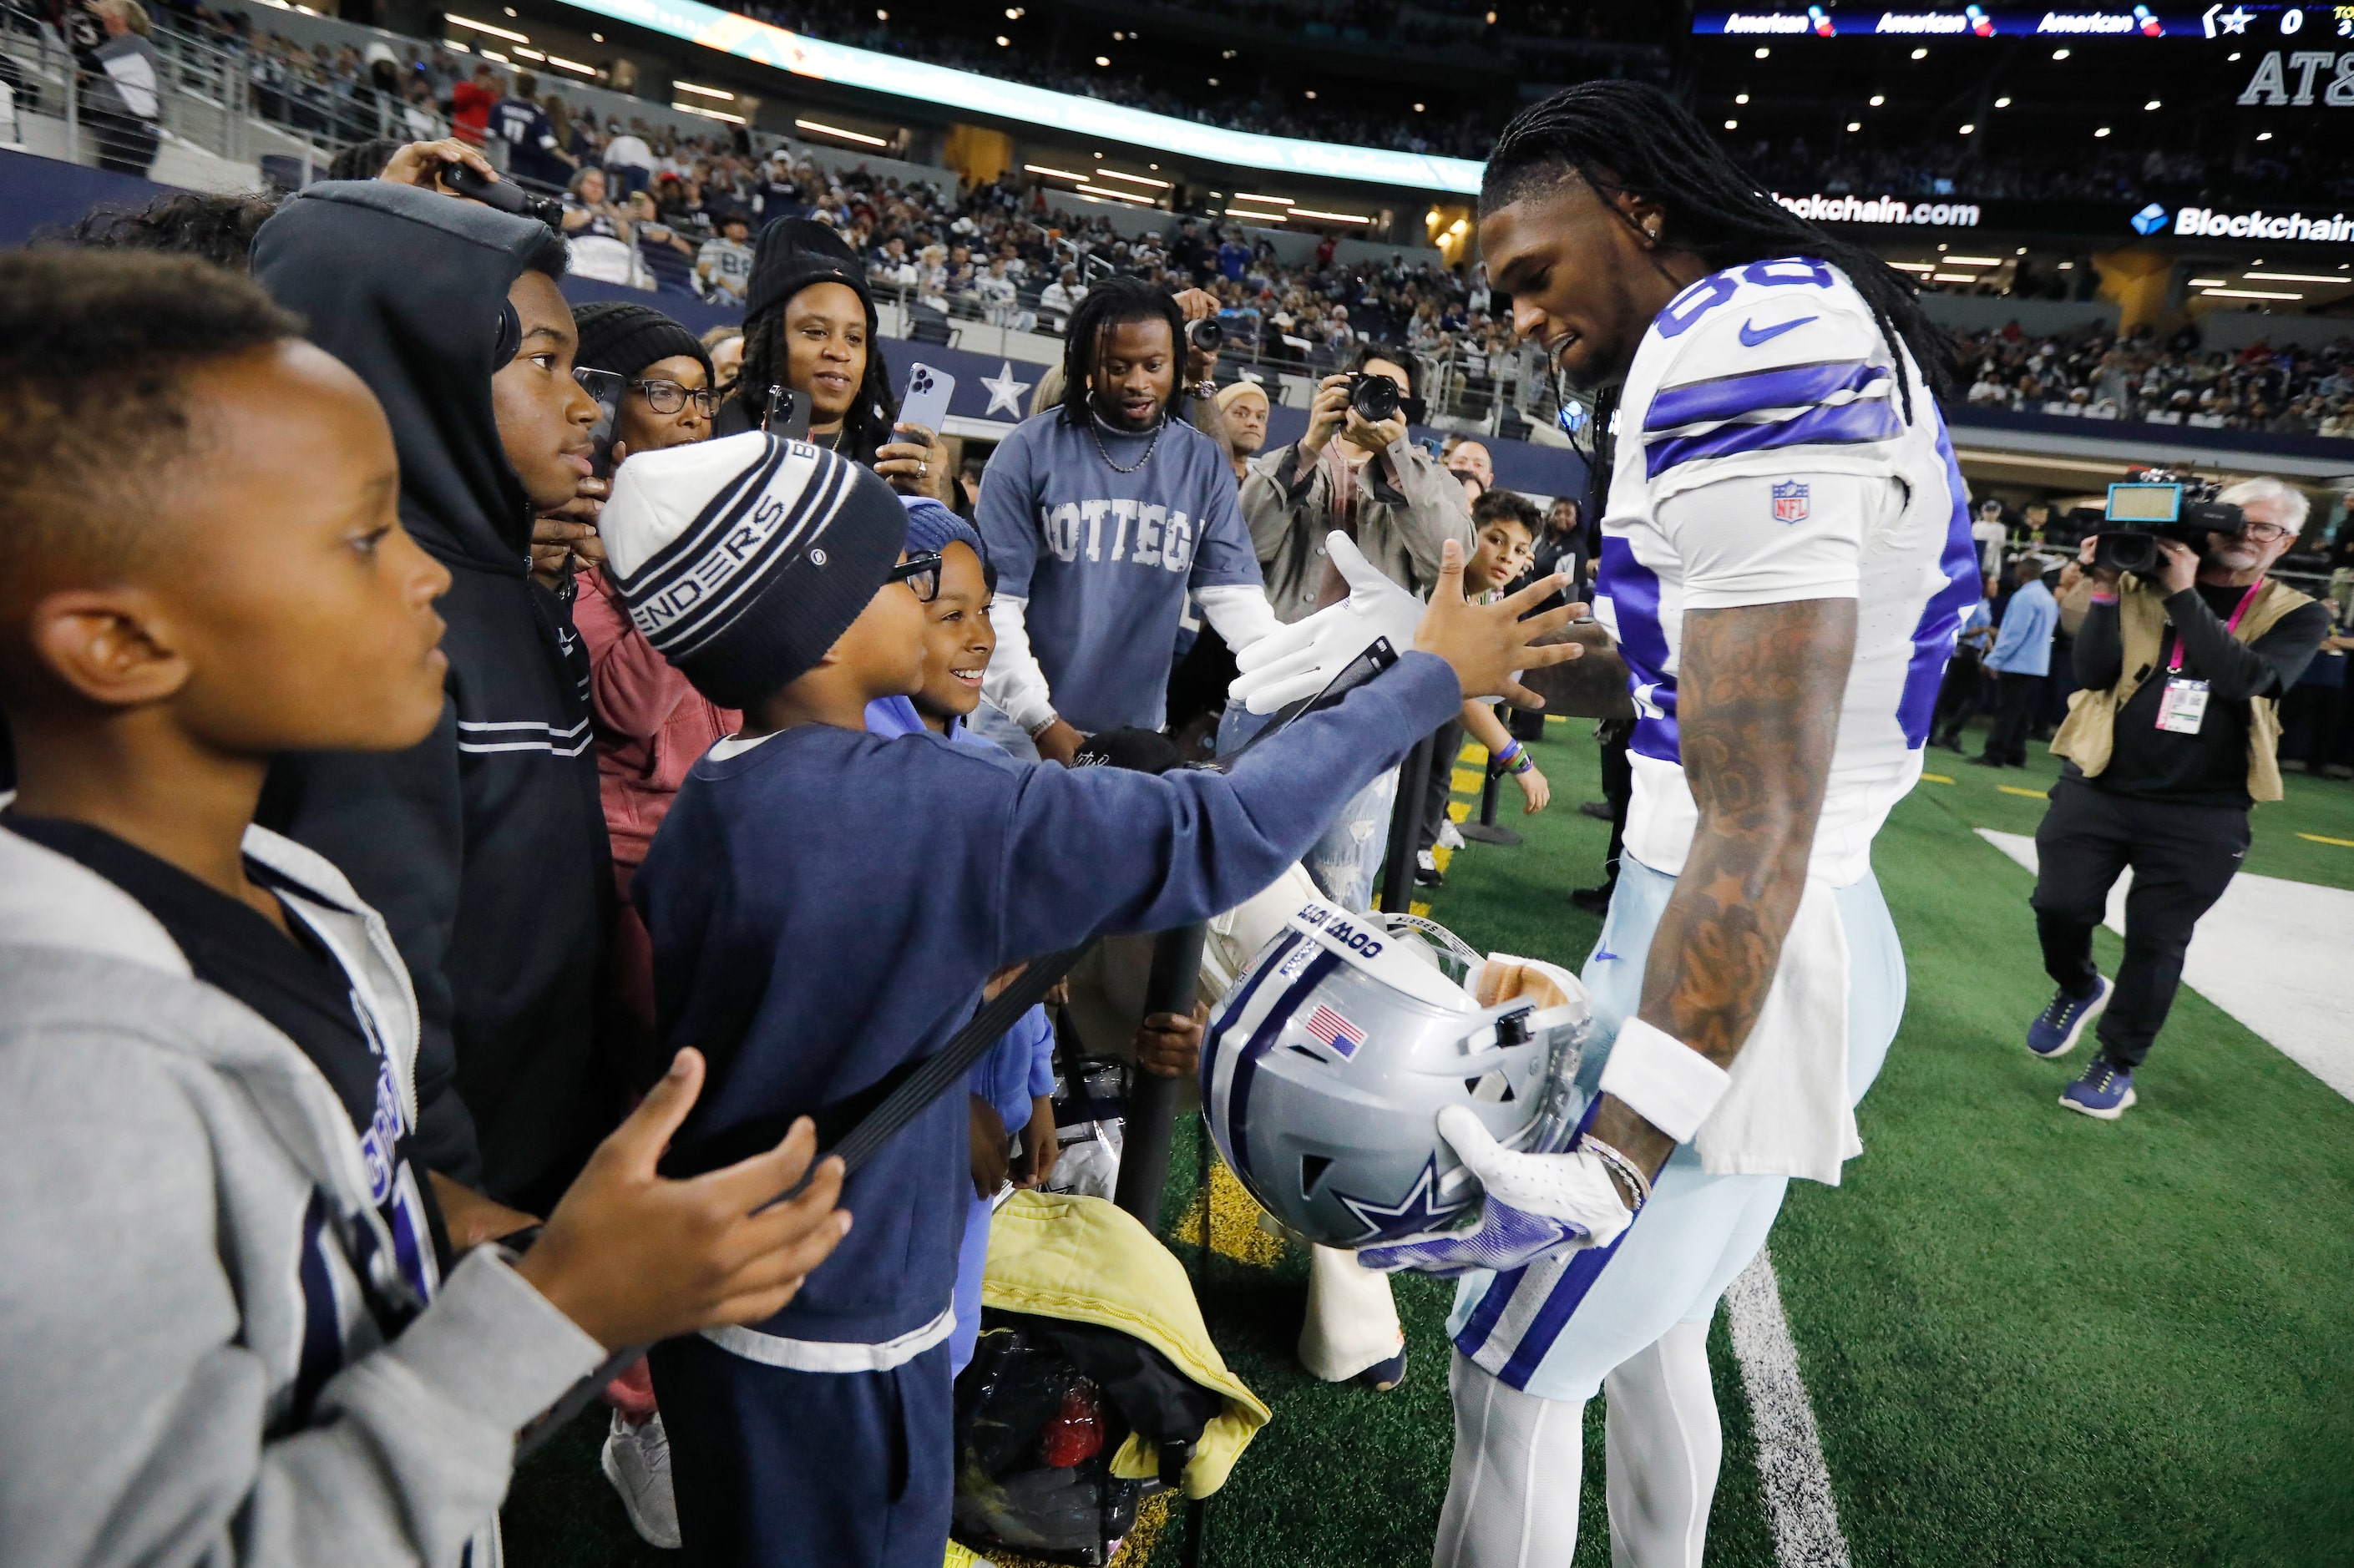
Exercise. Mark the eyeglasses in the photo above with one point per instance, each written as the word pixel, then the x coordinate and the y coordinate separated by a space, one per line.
pixel 922 575
pixel 669 396
pixel 2262 533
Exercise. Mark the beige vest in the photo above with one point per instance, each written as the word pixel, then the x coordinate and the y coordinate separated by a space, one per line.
pixel 2089 735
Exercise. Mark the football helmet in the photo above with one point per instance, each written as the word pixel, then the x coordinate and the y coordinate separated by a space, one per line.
pixel 1325 1067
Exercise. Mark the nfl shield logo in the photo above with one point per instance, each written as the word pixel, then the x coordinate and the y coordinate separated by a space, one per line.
pixel 1789 501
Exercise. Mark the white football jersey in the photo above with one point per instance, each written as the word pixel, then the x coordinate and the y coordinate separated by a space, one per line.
pixel 1764 457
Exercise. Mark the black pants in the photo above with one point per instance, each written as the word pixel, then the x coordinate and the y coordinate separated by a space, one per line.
pixel 125 145
pixel 1619 789
pixel 2007 742
pixel 1441 780
pixel 2182 857
pixel 1958 697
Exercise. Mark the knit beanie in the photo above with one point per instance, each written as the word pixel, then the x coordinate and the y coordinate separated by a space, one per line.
pixel 793 253
pixel 932 527
pixel 625 338
pixel 742 560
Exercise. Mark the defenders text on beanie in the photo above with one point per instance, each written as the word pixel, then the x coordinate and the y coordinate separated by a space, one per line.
pixel 743 560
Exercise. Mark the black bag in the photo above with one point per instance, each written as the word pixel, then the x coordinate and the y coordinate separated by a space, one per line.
pixel 1041 1409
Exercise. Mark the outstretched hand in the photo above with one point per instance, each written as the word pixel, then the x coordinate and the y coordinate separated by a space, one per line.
pixel 632 1257
pixel 1489 645
pixel 1300 660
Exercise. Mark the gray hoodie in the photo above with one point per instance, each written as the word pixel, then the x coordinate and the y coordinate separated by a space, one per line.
pixel 182 1204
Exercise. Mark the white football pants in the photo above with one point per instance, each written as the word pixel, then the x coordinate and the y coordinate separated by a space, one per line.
pixel 1512 1491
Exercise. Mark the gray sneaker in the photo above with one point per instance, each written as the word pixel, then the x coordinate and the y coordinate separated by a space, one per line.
pixel 637 1461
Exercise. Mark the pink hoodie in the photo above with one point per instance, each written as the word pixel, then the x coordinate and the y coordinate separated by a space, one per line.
pixel 651 725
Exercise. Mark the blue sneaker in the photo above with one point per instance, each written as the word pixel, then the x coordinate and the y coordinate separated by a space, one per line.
pixel 2105 1091
pixel 2058 1027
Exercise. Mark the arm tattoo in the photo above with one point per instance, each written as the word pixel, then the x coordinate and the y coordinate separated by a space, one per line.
pixel 1758 697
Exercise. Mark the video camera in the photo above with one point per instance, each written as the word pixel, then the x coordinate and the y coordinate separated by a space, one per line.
pixel 2156 504
pixel 504 194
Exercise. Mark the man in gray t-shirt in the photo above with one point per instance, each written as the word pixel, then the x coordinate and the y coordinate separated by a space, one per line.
pixel 1101 515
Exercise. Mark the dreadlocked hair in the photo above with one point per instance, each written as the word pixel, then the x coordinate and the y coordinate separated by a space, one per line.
pixel 865 428
pixel 1629 136
pixel 1115 302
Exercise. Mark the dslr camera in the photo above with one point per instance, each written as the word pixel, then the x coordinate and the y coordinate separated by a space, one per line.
pixel 2158 504
pixel 1374 397
pixel 1204 336
pixel 504 194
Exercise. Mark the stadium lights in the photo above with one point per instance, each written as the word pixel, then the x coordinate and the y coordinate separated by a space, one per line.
pixel 1417 109
pixel 2002 103
pixel 2247 294
pixel 454 44
pixel 1278 201
pixel 1855 124
pixel 1952 277
pixel 2067 266
pixel 1920 54
pixel 2023 251
pixel 1117 195
pixel 2059 54
pixel 494 31
pixel 1912 266
pixel 596 38
pixel 1331 217
pixel 721 114
pixel 1003 42
pixel 1764 53
pixel 1968 129
pixel 1430 218
pixel 1058 174
pixel 1733 125
pixel 2153 103
pixel 1878 99
pixel 529 54
pixel 1312 92
pixel 1740 97
pixel 1103 60
pixel 560 63
pixel 705 91
pixel 1132 179
pixel 1013 13
pixel 494 55
pixel 2264 136
pixel 1973 260
pixel 2101 131
pixel 821 129
pixel 1259 216
pixel 2211 282
pixel 2292 278
pixel 1460 225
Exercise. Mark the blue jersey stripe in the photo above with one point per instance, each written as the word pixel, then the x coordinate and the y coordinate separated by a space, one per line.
pixel 1843 424
pixel 322 1340
pixel 1241 1003
pixel 1633 590
pixel 1537 1340
pixel 1941 618
pixel 1262 1041
pixel 1785 386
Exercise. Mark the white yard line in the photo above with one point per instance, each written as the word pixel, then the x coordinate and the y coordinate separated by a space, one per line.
pixel 2272 953
pixel 1790 1470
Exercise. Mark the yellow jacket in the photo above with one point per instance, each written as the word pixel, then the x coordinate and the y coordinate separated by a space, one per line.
pixel 1057 1254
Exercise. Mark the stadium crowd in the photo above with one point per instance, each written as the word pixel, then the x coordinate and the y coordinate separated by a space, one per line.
pixel 2092 373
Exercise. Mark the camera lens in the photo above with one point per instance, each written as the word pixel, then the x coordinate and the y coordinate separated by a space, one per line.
pixel 1375 397
pixel 1205 334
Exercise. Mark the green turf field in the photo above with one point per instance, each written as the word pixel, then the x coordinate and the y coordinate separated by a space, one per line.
pixel 2029 1338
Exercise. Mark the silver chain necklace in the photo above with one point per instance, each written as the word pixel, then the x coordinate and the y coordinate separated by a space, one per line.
pixel 1105 451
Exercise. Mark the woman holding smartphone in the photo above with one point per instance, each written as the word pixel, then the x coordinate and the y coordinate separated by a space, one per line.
pixel 809 329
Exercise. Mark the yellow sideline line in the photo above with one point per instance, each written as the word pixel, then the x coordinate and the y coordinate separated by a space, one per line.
pixel 2031 794
pixel 2317 837
pixel 1935 779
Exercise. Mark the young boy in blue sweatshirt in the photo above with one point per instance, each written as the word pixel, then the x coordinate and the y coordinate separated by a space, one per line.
pixel 826 906
pixel 1012 1088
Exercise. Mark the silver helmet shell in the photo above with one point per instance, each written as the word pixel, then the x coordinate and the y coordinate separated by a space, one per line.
pixel 1325 1067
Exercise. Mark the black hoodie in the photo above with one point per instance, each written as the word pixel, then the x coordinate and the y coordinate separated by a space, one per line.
pixel 485 846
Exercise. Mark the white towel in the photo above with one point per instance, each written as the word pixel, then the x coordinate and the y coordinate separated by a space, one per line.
pixel 1788 1111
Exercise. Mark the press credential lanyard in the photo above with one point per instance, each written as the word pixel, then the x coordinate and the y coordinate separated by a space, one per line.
pixel 2182 706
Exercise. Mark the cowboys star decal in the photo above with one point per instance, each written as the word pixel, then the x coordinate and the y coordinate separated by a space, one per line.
pixel 1410 1215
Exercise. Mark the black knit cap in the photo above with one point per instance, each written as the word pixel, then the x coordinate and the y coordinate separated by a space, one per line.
pixel 625 338
pixel 793 253
pixel 744 559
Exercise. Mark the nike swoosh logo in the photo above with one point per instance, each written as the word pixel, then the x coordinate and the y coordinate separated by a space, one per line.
pixel 1751 338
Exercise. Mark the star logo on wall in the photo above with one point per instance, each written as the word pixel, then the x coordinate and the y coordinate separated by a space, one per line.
pixel 1411 1216
pixel 1004 392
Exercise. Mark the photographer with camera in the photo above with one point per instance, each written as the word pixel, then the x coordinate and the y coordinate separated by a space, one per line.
pixel 2183 657
pixel 1371 484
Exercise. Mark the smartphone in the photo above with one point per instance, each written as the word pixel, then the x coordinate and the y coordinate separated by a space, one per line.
pixel 927 403
pixel 789 415
pixel 604 388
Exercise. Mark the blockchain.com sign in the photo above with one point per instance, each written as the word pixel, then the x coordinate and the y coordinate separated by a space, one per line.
pixel 1886 209
pixel 2214 224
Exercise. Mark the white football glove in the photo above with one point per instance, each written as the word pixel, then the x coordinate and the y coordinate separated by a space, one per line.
pixel 1302 658
pixel 1533 1206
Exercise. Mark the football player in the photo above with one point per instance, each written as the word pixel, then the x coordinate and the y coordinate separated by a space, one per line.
pixel 1786 557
